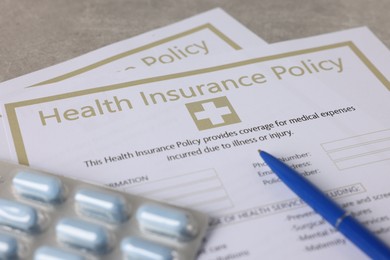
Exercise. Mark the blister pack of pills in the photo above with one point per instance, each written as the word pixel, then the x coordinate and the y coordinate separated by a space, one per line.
pixel 45 216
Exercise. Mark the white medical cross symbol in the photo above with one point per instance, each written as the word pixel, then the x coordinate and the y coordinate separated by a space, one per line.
pixel 213 113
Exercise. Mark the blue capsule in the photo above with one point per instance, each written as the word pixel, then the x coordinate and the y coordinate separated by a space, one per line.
pixel 140 249
pixel 18 215
pixel 39 187
pixel 167 221
pixel 8 247
pixel 83 234
pixel 51 253
pixel 101 205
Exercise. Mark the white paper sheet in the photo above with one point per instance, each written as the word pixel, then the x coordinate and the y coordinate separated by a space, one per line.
pixel 321 104
pixel 199 36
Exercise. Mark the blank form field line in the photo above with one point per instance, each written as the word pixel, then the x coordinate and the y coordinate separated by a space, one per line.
pixel 359 150
pixel 203 189
pixel 361 155
pixel 208 202
pixel 193 193
pixel 190 183
pixel 357 145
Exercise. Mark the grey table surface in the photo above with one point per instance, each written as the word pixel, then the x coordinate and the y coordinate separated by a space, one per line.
pixel 40 33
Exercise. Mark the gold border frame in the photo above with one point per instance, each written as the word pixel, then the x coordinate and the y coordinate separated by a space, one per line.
pixel 15 127
pixel 105 61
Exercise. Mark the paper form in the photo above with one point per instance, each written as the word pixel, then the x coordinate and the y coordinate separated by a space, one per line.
pixel 201 64
pixel 192 139
pixel 199 36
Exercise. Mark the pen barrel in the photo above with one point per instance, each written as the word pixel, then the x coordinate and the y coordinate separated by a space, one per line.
pixel 328 209
pixel 308 192
pixel 363 238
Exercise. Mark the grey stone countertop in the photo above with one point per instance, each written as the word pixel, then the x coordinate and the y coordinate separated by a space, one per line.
pixel 40 33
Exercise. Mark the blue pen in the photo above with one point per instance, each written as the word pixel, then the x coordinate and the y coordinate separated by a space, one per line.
pixel 329 210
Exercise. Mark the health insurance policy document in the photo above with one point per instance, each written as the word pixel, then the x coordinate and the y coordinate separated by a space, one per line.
pixel 321 104
pixel 199 36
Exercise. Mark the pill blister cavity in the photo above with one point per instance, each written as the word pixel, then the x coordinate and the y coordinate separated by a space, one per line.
pixel 38 187
pixel 82 234
pixel 8 247
pixel 102 205
pixel 167 221
pixel 52 253
pixel 136 248
pixel 19 216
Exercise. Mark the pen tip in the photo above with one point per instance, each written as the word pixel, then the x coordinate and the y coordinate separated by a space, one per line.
pixel 259 151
